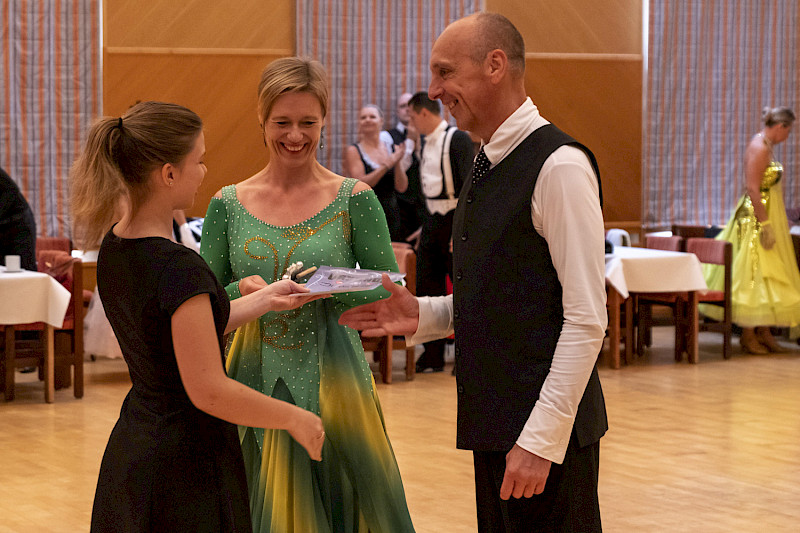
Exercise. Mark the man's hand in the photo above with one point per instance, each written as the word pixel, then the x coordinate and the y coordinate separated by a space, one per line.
pixel 526 474
pixel 398 314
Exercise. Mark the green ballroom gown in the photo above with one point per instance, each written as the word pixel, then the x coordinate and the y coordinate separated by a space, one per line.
pixel 305 357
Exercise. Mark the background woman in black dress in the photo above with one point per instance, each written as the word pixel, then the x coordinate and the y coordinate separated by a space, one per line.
pixel 376 162
pixel 173 461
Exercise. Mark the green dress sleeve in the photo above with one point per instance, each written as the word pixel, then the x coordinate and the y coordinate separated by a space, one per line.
pixel 372 246
pixel 214 246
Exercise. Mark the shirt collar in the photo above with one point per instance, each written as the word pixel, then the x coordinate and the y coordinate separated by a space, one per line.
pixel 516 128
pixel 437 131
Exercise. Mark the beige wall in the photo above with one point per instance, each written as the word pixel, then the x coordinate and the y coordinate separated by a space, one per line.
pixel 205 55
pixel 584 66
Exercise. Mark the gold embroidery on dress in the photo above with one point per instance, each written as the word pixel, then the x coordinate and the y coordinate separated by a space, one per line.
pixel 746 217
pixel 298 235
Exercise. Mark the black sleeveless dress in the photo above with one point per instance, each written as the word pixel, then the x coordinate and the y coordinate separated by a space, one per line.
pixel 168 466
pixel 386 194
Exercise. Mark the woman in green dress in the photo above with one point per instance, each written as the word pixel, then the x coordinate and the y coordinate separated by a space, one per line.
pixel 296 210
pixel 765 282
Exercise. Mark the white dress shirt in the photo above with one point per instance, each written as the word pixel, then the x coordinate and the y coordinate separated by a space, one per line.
pixel 565 210
pixel 408 145
pixel 430 172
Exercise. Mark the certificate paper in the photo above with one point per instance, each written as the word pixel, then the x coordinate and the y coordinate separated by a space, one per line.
pixel 340 279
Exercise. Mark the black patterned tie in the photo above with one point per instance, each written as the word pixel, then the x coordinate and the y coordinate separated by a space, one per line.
pixel 481 167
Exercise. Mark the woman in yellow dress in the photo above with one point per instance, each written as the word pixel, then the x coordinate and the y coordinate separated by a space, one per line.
pixel 765 278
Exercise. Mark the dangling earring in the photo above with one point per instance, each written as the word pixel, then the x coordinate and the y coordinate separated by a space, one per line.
pixel 322 139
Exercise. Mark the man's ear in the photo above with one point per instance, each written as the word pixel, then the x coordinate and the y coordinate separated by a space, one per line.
pixel 496 65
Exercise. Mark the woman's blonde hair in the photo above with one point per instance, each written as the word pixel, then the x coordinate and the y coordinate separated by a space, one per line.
pixel 291 75
pixel 119 157
pixel 777 115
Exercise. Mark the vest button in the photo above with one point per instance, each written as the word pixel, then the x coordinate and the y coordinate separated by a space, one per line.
pixel 459 276
pixel 460 389
pixel 458 352
pixel 456 314
pixel 469 199
pixel 464 236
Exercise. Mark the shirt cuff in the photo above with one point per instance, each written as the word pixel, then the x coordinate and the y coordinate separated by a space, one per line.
pixel 435 319
pixel 558 431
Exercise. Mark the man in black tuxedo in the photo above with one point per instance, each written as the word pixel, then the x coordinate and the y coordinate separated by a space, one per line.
pixel 445 165
pixel 528 307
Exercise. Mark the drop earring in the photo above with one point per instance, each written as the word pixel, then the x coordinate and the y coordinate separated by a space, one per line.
pixel 322 139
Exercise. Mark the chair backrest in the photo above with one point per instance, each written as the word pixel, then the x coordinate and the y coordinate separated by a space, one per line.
pixel 407 263
pixel 68 271
pixel 54 243
pixel 618 237
pixel 671 244
pixel 714 252
pixel 688 231
pixel 710 251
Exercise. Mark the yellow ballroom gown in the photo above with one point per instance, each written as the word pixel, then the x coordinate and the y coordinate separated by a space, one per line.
pixel 765 284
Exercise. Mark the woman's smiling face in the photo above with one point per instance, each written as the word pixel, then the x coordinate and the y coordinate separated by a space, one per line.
pixel 293 128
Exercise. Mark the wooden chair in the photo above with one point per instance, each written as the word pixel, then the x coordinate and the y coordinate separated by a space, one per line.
pixel 714 252
pixel 690 231
pixel 67 340
pixel 384 346
pixel 644 301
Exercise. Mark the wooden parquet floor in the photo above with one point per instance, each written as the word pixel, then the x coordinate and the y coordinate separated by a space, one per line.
pixel 713 447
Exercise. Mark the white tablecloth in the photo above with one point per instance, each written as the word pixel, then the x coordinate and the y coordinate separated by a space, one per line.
pixel 646 270
pixel 32 297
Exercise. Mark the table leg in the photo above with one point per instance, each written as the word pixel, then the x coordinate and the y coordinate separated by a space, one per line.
pixel 10 355
pixel 629 346
pixel 614 301
pixel 693 324
pixel 49 365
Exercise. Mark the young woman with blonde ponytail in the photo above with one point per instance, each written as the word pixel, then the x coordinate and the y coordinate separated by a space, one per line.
pixel 173 461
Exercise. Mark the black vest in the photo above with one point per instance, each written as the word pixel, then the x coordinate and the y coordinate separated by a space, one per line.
pixel 507 304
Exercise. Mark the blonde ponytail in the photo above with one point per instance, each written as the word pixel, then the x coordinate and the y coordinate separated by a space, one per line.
pixel 120 156
pixel 96 186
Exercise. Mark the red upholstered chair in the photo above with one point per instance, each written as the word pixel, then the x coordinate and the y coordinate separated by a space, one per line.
pixel 712 251
pixel 646 300
pixel 383 347
pixel 65 245
pixel 67 340
pixel 54 243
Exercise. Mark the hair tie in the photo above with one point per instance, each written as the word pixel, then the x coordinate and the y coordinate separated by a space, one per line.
pixel 119 123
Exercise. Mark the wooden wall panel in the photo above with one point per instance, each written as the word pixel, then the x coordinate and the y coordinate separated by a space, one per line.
pixel 221 89
pixel 585 99
pixel 584 72
pixel 206 55
pixel 576 26
pixel 249 24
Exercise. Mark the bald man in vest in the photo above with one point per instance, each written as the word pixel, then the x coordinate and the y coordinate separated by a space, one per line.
pixel 528 306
